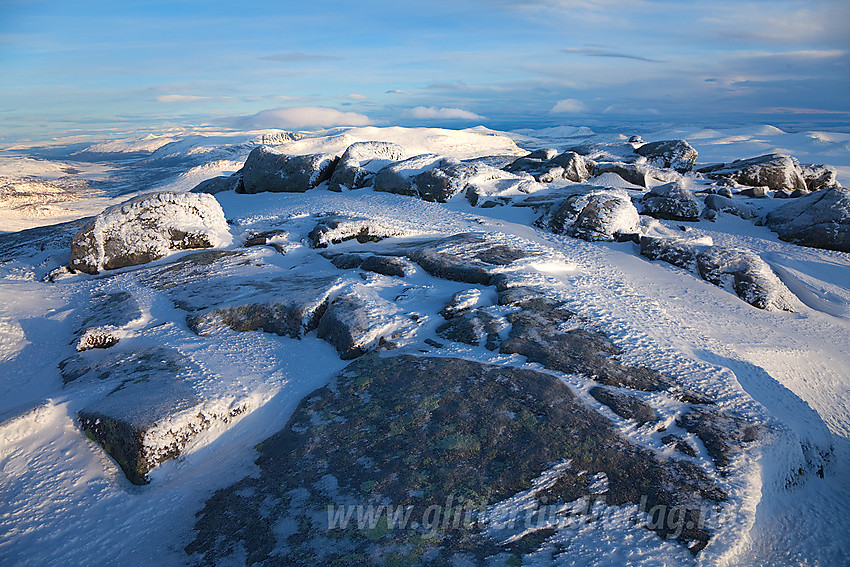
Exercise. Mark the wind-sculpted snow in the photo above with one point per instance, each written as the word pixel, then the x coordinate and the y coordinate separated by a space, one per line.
pixel 148 228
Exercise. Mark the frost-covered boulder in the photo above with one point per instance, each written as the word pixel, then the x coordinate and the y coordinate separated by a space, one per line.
pixel 638 174
pixel 675 154
pixel 266 169
pixel 595 214
pixel 359 321
pixel 360 161
pixel 820 177
pixel 398 177
pixel 820 220
pixel 739 271
pixel 779 172
pixel 465 258
pixel 545 169
pixel 671 201
pixel 147 228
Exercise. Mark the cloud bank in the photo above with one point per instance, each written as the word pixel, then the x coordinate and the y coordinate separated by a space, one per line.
pixel 298 117
pixel 569 106
pixel 434 113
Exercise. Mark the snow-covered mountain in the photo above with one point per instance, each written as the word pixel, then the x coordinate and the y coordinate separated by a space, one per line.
pixel 414 346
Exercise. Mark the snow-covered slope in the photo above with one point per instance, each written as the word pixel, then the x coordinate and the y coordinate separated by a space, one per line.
pixel 212 352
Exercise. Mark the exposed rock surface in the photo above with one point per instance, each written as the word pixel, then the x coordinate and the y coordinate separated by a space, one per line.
pixel 266 169
pixel 675 154
pixel 593 213
pixel 819 220
pixel 219 184
pixel 473 328
pixel 351 172
pixel 639 174
pixel 147 228
pixel 485 432
pixel 777 171
pixel 460 302
pixel 335 229
pixel 721 433
pixel 149 412
pixel 820 177
pixel 624 405
pixel 734 269
pixel 546 167
pixel 358 321
pixel 722 204
pixel 672 201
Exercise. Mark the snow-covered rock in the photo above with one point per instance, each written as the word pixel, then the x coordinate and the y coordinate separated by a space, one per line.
pixel 721 204
pixel 398 177
pixel 820 177
pixel 267 169
pixel 352 173
pixel 820 220
pixel 639 174
pixel 671 201
pixel 595 213
pixel 779 172
pixel 676 154
pixel 335 229
pixel 146 228
pixel 547 168
pixel 218 184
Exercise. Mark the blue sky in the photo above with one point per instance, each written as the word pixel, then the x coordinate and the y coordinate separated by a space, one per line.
pixel 70 66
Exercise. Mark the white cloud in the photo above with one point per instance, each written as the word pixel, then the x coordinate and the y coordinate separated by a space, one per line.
pixel 181 98
pixel 297 117
pixel 569 106
pixel 352 96
pixel 397 91
pixel 434 113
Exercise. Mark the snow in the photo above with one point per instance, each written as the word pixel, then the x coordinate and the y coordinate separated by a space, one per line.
pixel 63 501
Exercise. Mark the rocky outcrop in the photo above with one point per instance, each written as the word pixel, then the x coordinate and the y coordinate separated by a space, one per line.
pixel 820 177
pixel 626 406
pixel 778 172
pixel 150 411
pixel 398 177
pixel 546 166
pixel 722 434
pixel 819 220
pixel 465 258
pixel 593 213
pixel 352 173
pixel 740 271
pixel 335 229
pixel 675 154
pixel 147 228
pixel 721 204
pixel 358 321
pixel 638 174
pixel 672 201
pixel 453 436
pixel 473 328
pixel 266 169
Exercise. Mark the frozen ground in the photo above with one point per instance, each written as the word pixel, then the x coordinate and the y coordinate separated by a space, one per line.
pixel 65 501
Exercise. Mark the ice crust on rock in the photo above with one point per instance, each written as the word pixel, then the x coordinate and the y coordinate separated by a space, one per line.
pixel 147 228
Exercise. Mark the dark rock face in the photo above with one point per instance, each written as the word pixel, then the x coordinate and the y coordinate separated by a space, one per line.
pixel 624 405
pixel 777 171
pixel 675 154
pixel 819 220
pixel 670 250
pixel 398 177
pixel 219 184
pixel 267 170
pixel 637 174
pixel 672 201
pixel 351 173
pixel 820 177
pixel 473 328
pixel 408 433
pixel 536 333
pixel 721 433
pixel 387 266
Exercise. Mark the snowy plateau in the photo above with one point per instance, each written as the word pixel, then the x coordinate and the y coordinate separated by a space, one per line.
pixel 413 346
